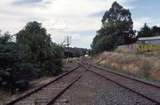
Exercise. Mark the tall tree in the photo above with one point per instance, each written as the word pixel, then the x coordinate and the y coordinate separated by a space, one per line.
pixel 36 46
pixel 117 25
pixel 34 41
pixel 32 55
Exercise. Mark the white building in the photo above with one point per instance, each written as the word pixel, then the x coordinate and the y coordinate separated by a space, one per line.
pixel 149 40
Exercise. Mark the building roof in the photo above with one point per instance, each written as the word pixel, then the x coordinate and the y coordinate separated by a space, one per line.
pixel 149 38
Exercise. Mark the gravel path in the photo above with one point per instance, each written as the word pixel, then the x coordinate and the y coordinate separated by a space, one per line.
pixel 95 90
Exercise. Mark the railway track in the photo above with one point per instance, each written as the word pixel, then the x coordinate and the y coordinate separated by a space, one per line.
pixel 48 93
pixel 52 91
pixel 147 90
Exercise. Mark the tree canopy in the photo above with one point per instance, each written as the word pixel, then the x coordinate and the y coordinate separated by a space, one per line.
pixel 34 42
pixel 36 45
pixel 32 55
pixel 117 29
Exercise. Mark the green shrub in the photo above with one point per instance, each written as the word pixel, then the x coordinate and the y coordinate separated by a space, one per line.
pixel 33 55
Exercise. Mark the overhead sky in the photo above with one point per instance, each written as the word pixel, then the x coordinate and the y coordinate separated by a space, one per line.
pixel 79 19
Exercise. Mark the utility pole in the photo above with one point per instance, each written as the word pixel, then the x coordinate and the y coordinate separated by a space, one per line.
pixel 68 43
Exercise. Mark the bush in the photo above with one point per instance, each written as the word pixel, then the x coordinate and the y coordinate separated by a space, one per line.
pixel 33 55
pixel 37 48
pixel 103 43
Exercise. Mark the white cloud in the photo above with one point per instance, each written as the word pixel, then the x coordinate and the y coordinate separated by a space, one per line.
pixel 139 22
pixel 79 40
pixel 60 17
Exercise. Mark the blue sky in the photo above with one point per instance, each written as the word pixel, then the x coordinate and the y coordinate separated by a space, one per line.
pixel 147 9
pixel 23 2
pixel 79 19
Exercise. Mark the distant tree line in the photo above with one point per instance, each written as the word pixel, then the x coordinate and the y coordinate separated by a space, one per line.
pixel 75 52
pixel 31 56
pixel 147 31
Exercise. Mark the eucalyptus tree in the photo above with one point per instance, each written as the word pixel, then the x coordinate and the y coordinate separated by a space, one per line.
pixel 117 29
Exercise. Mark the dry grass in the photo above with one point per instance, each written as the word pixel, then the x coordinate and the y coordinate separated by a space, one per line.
pixel 140 65
pixel 153 54
pixel 4 96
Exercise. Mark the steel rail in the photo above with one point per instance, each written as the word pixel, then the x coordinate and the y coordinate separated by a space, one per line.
pixel 61 92
pixel 128 77
pixel 119 84
pixel 12 102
